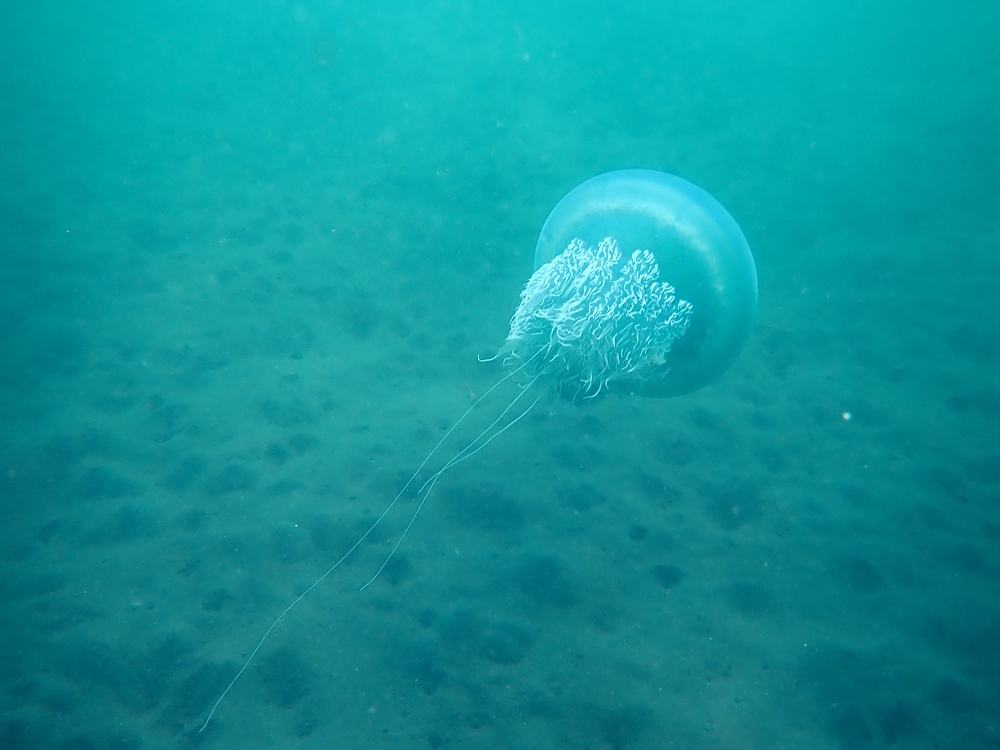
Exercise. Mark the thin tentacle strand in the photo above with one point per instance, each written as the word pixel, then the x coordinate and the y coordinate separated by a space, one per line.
pixel 462 455
pixel 467 452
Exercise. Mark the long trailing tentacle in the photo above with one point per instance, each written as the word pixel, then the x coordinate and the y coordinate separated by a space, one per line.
pixel 371 528
pixel 462 455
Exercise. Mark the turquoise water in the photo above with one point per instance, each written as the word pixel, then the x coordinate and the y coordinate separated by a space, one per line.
pixel 251 255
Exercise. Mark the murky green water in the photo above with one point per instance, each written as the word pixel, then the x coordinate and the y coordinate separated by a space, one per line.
pixel 251 255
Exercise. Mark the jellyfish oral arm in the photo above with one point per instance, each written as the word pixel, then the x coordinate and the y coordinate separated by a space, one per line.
pixel 590 319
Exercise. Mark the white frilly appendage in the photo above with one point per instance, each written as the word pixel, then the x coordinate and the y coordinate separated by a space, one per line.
pixel 592 322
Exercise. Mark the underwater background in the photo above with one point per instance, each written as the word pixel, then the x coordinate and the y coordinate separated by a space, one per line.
pixel 252 253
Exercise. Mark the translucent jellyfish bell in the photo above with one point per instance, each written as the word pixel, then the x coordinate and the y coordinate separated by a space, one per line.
pixel 643 283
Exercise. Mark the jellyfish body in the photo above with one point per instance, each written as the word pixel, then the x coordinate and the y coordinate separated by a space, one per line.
pixel 643 283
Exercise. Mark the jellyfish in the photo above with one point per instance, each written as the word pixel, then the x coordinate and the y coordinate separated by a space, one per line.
pixel 643 284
